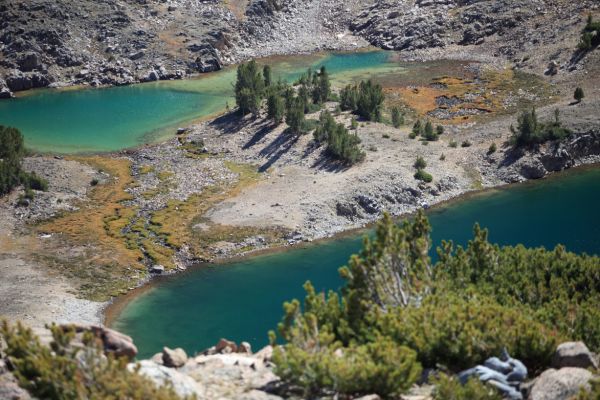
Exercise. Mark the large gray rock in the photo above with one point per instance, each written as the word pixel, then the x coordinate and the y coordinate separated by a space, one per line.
pixel 161 375
pixel 574 354
pixel 30 61
pixel 560 384
pixel 174 358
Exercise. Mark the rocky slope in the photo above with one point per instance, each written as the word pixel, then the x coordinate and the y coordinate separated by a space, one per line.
pixel 116 42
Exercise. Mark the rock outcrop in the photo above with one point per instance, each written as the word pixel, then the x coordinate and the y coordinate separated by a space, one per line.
pixel 560 384
pixel 574 354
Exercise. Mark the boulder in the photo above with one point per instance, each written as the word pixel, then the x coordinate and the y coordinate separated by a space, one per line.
pixel 5 92
pixel 116 343
pixel 161 375
pixel 560 384
pixel 573 354
pixel 532 169
pixel 113 342
pixel 30 61
pixel 225 346
pixel 265 354
pixel 245 348
pixel 157 269
pixel 174 358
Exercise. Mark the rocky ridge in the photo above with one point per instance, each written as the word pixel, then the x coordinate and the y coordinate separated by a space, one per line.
pixel 62 43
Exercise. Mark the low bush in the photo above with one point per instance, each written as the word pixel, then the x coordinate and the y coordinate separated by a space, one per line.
pixel 449 388
pixel 460 332
pixel 377 367
pixel 64 372
pixel 423 176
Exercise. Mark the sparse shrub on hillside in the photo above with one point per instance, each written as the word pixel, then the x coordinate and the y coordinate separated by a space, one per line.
pixel 578 95
pixel 530 131
pixel 423 176
pixel 492 149
pixel 590 35
pixel 420 163
pixel 397 118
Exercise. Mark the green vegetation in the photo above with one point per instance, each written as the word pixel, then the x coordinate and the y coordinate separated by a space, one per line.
pixel 453 144
pixel 12 151
pixel 268 79
pixel 455 314
pixel 578 95
pixel 249 88
pixel 294 116
pixel 426 131
pixel 63 371
pixel 423 176
pixel 449 388
pixel 420 166
pixel 492 149
pixel 341 145
pixel 529 131
pixel 275 108
pixel 590 35
pixel 364 99
pixel 397 118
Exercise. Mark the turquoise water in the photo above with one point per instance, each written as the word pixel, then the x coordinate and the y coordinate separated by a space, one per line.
pixel 242 300
pixel 114 118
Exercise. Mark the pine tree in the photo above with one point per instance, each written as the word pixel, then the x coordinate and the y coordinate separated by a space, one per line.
pixel 275 108
pixel 578 95
pixel 267 75
pixel 295 116
pixel 397 118
pixel 249 88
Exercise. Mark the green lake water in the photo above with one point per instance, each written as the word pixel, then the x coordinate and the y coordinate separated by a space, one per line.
pixel 107 119
pixel 242 300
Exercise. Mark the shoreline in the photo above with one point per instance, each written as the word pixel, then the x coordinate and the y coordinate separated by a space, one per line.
pixel 113 308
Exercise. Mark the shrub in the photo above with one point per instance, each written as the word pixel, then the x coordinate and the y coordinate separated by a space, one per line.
pixel 397 117
pixel 578 95
pixel 380 367
pixel 529 131
pixel 590 35
pixel 460 332
pixel 443 157
pixel 453 144
pixel 449 388
pixel 412 135
pixel 428 133
pixel 439 130
pixel 417 128
pixel 492 149
pixel 420 163
pixel 61 371
pixel 385 136
pixel 423 176
pixel 94 182
pixel 465 143
pixel 32 181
